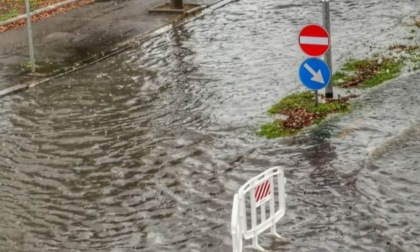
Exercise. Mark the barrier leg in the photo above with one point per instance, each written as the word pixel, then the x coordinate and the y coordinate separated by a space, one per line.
pixel 272 211
pixel 255 244
pixel 274 232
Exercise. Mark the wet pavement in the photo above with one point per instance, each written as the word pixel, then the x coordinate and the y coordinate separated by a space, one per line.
pixel 144 151
pixel 85 33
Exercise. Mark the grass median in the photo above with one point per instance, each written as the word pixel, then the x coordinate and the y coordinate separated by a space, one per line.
pixel 297 111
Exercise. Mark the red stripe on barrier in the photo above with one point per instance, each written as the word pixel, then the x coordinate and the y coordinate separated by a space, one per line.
pixel 257 192
pixel 267 190
pixel 262 190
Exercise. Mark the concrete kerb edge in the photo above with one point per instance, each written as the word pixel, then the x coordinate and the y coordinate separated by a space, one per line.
pixel 185 18
pixel 157 9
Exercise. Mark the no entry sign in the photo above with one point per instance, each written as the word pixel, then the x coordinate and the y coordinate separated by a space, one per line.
pixel 314 40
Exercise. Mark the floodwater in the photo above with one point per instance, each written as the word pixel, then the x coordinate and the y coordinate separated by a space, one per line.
pixel 144 151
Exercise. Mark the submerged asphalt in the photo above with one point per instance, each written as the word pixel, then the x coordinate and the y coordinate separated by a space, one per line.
pixel 78 35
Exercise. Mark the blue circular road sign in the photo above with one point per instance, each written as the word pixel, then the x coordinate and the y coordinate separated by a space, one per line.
pixel 314 73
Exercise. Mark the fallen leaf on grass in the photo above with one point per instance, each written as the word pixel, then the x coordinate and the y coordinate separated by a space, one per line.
pixel 45 15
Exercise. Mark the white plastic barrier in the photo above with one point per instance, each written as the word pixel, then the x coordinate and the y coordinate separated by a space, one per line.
pixel 235 226
pixel 249 212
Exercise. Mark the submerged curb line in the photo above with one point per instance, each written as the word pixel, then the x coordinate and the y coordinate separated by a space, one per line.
pixel 131 43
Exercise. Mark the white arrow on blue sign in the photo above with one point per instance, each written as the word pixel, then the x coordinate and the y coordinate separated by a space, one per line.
pixel 314 73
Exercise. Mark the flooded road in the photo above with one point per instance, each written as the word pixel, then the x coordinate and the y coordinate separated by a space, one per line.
pixel 144 151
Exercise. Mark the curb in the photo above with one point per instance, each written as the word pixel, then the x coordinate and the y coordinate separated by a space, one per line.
pixel 158 9
pixel 132 43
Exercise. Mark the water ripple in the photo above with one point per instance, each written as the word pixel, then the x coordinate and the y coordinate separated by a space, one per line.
pixel 144 151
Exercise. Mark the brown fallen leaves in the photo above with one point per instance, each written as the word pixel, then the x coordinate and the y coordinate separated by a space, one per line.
pixel 6 5
pixel 298 118
pixel 44 14
pixel 406 48
pixel 301 117
pixel 363 73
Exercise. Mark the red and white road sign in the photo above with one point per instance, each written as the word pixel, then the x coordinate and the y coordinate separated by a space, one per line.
pixel 314 40
pixel 262 191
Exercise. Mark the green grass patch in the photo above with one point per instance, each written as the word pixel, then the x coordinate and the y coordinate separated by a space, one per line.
pixel 275 129
pixel 367 73
pixel 388 69
pixel 415 60
pixel 341 77
pixel 13 8
pixel 293 101
pixel 354 65
pixel 411 55
pixel 10 14
pixel 302 112
pixel 303 100
pixel 28 66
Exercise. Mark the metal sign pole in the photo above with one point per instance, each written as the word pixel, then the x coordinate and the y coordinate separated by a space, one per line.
pixel 31 43
pixel 327 56
pixel 176 4
pixel 316 98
